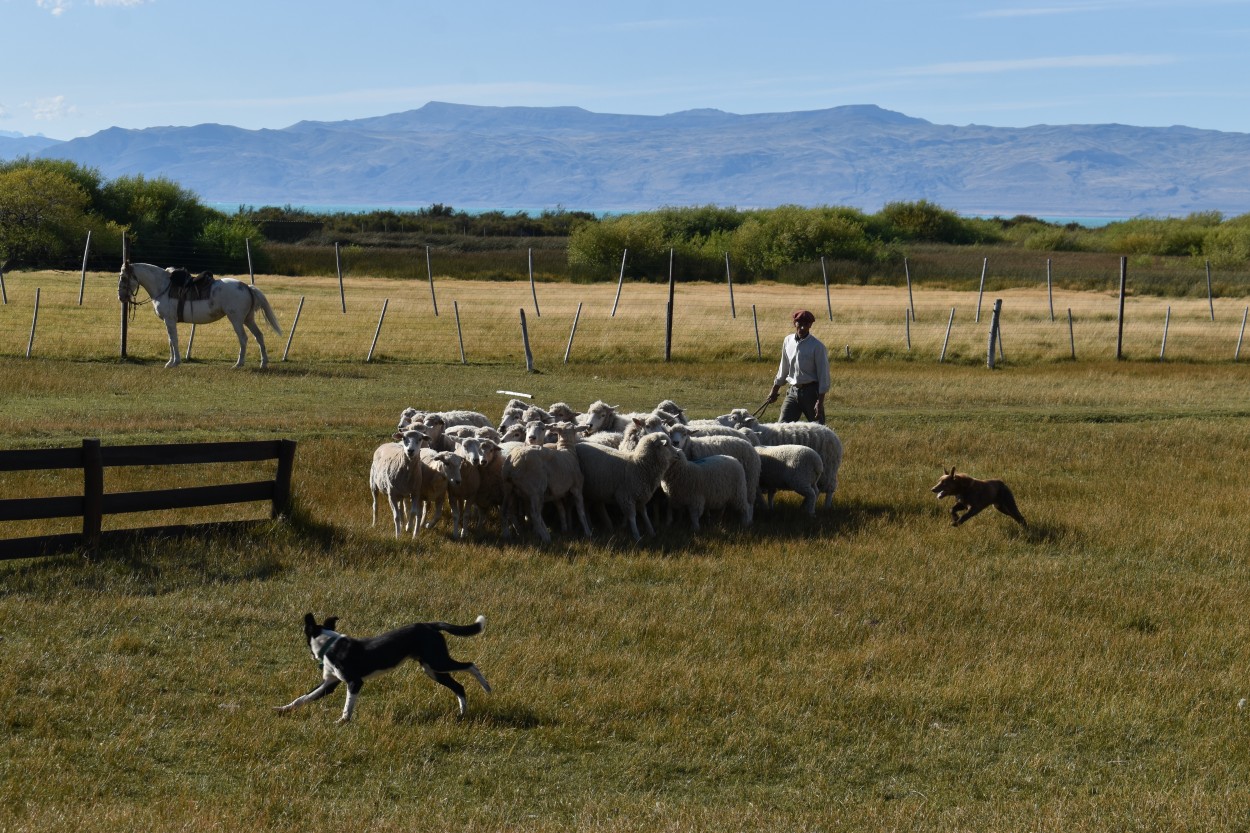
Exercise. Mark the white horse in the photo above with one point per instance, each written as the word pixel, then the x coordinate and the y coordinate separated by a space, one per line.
pixel 227 297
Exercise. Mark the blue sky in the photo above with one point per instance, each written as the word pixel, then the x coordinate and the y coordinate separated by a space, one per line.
pixel 73 67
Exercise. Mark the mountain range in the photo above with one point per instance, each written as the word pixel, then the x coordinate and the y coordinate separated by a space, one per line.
pixel 532 158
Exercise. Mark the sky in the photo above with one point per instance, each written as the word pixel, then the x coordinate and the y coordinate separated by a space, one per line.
pixel 71 68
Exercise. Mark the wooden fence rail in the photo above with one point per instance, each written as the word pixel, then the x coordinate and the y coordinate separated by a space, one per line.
pixel 93 504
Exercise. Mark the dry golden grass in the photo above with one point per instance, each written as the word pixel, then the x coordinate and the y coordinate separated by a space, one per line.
pixel 485 316
pixel 871 669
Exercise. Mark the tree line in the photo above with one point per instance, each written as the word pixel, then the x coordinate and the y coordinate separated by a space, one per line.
pixel 48 206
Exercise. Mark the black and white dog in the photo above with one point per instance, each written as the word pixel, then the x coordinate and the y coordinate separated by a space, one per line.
pixel 348 660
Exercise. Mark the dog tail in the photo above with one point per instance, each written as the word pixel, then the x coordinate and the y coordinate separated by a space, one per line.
pixel 462 630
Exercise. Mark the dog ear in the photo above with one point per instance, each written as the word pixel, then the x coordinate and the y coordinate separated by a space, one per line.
pixel 331 623
pixel 311 628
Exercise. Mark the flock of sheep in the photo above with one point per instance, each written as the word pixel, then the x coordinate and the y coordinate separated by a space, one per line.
pixel 600 461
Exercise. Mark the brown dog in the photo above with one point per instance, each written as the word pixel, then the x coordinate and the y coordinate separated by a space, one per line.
pixel 974 495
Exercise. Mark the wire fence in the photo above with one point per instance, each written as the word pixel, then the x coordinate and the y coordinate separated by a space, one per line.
pixel 345 318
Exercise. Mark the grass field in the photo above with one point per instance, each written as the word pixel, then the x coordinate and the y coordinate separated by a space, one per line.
pixel 872 669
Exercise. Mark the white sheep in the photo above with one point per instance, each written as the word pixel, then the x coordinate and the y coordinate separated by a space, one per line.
pixel 533 475
pixel 563 412
pixel 601 416
pixel 811 434
pixel 461 495
pixel 696 447
pixel 710 427
pixel 626 479
pixel 439 471
pixel 637 428
pixel 511 416
pixel 463 417
pixel 709 484
pixel 794 468
pixel 490 491
pixel 607 439
pixel 396 473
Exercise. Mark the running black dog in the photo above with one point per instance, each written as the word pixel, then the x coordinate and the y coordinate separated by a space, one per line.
pixel 348 660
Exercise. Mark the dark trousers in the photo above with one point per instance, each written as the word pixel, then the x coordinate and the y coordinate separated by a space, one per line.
pixel 800 401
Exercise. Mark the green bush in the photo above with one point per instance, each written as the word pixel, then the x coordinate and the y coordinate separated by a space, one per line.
pixel 923 221
pixel 44 217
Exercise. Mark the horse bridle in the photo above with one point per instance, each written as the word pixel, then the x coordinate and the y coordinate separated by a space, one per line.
pixel 123 289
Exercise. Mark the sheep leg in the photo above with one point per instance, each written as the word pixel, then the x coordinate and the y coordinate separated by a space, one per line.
pixel 580 507
pixel 536 519
pixel 397 513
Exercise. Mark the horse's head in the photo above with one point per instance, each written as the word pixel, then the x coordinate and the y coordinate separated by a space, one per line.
pixel 127 283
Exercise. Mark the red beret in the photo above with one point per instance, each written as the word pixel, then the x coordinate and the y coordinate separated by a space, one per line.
pixel 803 316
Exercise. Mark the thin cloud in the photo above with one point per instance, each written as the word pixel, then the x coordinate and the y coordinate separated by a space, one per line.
pixel 60 7
pixel 1098 6
pixel 657 25
pixel 52 109
pixel 1032 64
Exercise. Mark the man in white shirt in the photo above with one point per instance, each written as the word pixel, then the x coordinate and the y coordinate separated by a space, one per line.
pixel 805 367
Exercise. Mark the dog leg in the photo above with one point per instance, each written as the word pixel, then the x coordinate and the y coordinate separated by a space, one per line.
pixel 955 510
pixel 317 693
pixel 353 689
pixel 969 514
pixel 445 679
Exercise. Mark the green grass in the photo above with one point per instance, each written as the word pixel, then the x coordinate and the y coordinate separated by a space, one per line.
pixel 872 669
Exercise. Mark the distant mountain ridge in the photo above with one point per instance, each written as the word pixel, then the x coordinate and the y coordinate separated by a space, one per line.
pixel 547 157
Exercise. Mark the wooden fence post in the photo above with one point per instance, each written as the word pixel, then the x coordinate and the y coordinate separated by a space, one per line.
pixel 733 312
pixel 947 340
pixel 124 305
pixel 758 353
pixel 190 342
pixel 668 317
pixel 30 345
pixel 430 272
pixel 247 244
pixel 455 307
pixel 1071 334
pixel 824 274
pixel 911 301
pixel 619 281
pixel 1163 348
pixel 573 332
pixel 338 267
pixel 282 479
pixel 985 262
pixel 4 293
pixel 1119 338
pixel 378 331
pixel 1050 293
pixel 86 250
pixel 92 494
pixel 294 324
pixel 907 327
pixel 1210 296
pixel 525 339
pixel 1242 334
pixel 998 308
pixel 533 289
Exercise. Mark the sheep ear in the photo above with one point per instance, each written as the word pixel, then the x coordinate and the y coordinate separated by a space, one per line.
pixel 398 435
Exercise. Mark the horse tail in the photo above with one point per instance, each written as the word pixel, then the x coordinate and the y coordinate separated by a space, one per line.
pixel 259 298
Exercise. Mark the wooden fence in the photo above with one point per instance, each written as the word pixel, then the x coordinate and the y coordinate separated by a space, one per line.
pixel 93 504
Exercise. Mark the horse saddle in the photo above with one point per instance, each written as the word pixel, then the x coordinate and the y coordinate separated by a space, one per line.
pixel 187 287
